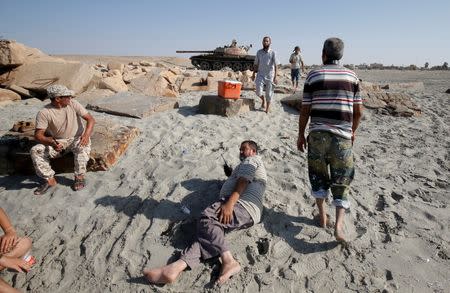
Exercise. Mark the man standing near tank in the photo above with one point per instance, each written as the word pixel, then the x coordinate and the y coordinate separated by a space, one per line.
pixel 332 99
pixel 265 68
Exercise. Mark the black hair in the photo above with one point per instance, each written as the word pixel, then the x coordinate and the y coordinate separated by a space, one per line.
pixel 251 144
pixel 333 48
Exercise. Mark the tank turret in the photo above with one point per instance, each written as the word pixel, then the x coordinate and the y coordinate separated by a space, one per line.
pixel 232 56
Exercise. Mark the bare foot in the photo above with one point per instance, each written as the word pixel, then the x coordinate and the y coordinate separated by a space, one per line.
pixel 228 270
pixel 324 222
pixel 339 236
pixel 166 274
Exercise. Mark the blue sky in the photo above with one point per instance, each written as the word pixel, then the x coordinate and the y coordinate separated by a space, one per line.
pixel 391 32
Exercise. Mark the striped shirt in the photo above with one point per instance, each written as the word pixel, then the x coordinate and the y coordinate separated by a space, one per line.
pixel 252 169
pixel 332 90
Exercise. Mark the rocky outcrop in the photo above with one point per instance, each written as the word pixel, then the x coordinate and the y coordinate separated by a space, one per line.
pixel 40 75
pixel 225 107
pixel 293 101
pixel 396 104
pixel 8 96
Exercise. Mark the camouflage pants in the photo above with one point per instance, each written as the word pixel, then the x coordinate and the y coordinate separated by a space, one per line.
pixel 330 166
pixel 41 155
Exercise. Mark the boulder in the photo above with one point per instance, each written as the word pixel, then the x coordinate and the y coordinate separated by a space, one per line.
pixel 133 105
pixel 193 83
pixel 176 70
pixel 365 86
pixel 416 86
pixel 93 95
pixel 169 76
pixel 38 76
pixel 130 74
pixel 13 54
pixel 153 84
pixel 114 72
pixel 8 96
pixel 109 142
pixel 293 101
pixel 116 66
pixel 225 107
pixel 396 104
pixel 21 91
pixel 213 83
pixel 114 83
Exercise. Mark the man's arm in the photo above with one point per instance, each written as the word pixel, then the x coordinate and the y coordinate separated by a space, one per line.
pixel 357 115
pixel 226 210
pixel 88 131
pixel 9 238
pixel 303 121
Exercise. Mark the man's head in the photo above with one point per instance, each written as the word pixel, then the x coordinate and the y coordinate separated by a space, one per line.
pixel 59 95
pixel 333 50
pixel 248 148
pixel 266 42
pixel 297 49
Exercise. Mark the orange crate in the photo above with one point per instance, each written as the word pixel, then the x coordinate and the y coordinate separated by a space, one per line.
pixel 230 89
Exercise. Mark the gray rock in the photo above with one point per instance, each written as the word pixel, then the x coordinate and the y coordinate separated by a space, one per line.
pixel 225 107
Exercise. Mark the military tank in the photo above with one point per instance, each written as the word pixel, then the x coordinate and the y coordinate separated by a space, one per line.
pixel 231 56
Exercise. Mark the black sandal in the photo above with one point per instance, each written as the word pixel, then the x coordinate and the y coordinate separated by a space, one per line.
pixel 44 188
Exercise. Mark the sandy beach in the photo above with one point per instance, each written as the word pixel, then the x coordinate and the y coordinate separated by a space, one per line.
pixel 99 239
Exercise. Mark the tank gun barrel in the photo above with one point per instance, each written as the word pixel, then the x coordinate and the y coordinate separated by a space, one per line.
pixel 195 51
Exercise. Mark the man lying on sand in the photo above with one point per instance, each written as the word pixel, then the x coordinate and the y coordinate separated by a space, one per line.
pixel 239 207
pixel 332 99
pixel 12 249
pixel 59 129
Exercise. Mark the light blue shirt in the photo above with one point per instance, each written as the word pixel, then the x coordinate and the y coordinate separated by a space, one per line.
pixel 266 61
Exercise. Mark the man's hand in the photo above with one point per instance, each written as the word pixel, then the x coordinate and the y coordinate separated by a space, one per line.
pixel 14 263
pixel 226 213
pixel 84 140
pixel 57 146
pixel 8 241
pixel 301 143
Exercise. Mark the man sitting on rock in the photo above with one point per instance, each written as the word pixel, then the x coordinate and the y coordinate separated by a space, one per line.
pixel 59 129
pixel 239 207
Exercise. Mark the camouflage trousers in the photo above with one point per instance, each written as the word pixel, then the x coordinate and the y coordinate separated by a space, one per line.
pixel 330 166
pixel 41 155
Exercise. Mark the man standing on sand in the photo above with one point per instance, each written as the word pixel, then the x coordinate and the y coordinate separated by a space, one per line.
pixel 59 128
pixel 332 99
pixel 296 61
pixel 265 66
pixel 240 206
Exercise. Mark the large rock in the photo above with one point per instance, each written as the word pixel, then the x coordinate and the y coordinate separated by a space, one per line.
pixel 293 101
pixel 109 142
pixel 13 54
pixel 38 76
pixel 116 66
pixel 133 105
pixel 114 83
pixel 93 95
pixel 153 84
pixel 21 91
pixel 8 96
pixel 396 104
pixel 225 107
pixel 193 83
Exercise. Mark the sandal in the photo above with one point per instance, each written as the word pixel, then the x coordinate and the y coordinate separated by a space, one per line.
pixel 44 188
pixel 79 184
